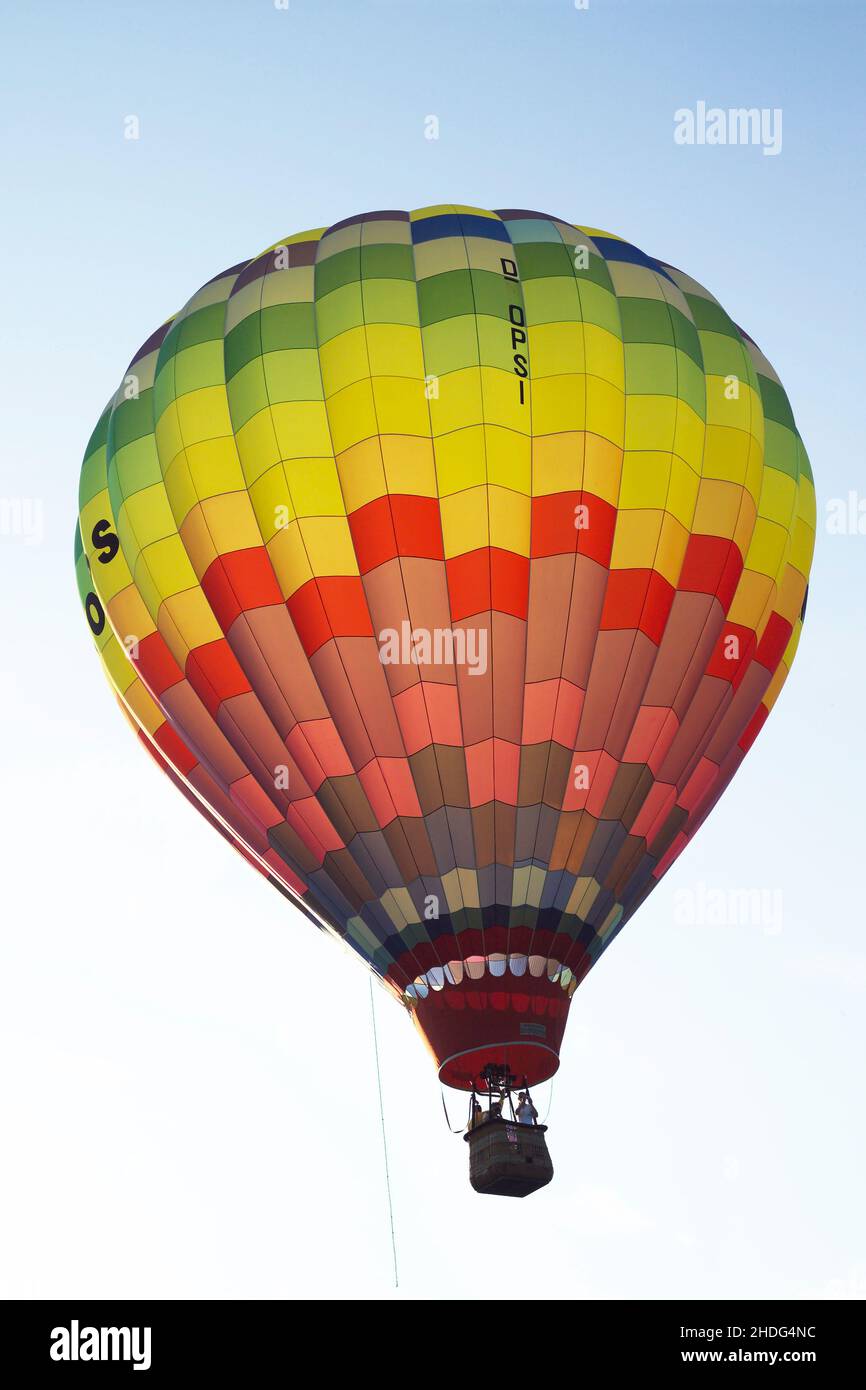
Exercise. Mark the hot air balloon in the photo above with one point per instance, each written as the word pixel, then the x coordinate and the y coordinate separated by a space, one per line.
pixel 449 562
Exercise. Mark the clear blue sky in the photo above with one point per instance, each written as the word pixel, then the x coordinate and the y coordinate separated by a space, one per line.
pixel 167 1020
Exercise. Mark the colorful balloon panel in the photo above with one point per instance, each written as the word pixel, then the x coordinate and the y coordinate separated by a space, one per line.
pixel 450 562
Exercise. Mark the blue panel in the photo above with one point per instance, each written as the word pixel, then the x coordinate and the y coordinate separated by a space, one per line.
pixel 624 251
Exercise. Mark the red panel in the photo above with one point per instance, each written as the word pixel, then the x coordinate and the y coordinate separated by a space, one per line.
pixel 373 535
pixel 725 667
pixel 496 939
pixel 345 604
pixel 174 748
pixel 637 599
pixel 469 583
pixel 329 607
pixel 240 580
pixel 771 648
pixel 488 578
pixel 510 582
pixel 554 531
pixel 418 526
pixel 308 615
pixel 156 665
pixel 753 728
pixel 214 674
pixel 398 524
pixel 711 565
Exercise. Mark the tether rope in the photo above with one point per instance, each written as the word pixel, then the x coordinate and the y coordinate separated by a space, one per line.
pixel 384 1136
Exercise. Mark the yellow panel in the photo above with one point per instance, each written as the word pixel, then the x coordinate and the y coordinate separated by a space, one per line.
pixel 558 404
pixel 231 522
pixel 602 469
pixel 168 567
pixel 180 488
pixel 768 547
pixel 719 508
pixel 734 413
pixel 509 458
pixel 401 406
pixel 142 705
pixel 328 542
pixel 754 469
pixel 604 354
pixel 645 479
pixel 215 467
pixel 726 454
pixel 558 463
pixel 121 672
pixel 394 910
pixel 129 615
pixel 745 522
pixel 778 497
pixel 395 350
pixel 315 487
pixel 108 579
pixel 190 614
pixel 672 548
pixel 149 514
pixel 362 474
pixel 501 393
pixel 301 429
pixel 806 500
pixel 650 423
pixel 465 523
pixel 605 412
pixel 459 403
pixel 196 541
pixel 460 460
pixel 556 348
pixel 169 441
pixel 468 879
pixel 689 435
pixel 351 416
pixel 272 500
pixel 802 546
pixel 203 414
pixel 636 539
pixel 289 559
pixel 792 590
pixel 527 885
pixel 752 594
pixel 344 360
pixel 788 655
pixel 453 892
pixel 409 465
pixel 583 894
pixel 510 517
pixel 257 446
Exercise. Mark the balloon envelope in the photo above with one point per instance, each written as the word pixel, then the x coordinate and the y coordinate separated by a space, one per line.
pixel 449 562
